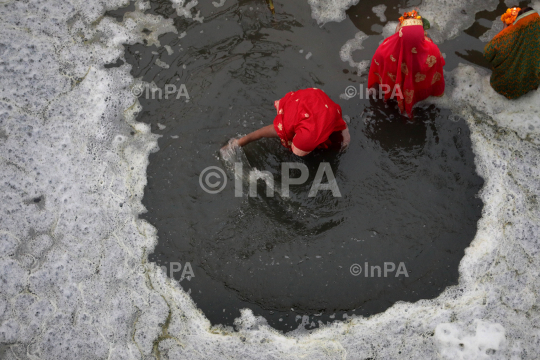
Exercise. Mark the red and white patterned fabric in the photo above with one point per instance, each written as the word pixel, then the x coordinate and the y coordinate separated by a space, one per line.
pixel 411 60
pixel 306 119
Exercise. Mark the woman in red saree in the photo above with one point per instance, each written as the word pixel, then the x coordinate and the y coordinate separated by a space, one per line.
pixel 306 120
pixel 409 63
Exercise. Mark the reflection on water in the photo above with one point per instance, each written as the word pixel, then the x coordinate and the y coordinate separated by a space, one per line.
pixel 408 188
pixel 396 134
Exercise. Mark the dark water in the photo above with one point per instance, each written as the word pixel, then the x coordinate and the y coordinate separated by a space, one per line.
pixel 408 188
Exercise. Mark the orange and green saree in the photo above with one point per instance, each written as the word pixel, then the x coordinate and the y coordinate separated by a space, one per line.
pixel 515 56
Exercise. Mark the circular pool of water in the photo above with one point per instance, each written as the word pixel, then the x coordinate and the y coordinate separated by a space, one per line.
pixel 408 188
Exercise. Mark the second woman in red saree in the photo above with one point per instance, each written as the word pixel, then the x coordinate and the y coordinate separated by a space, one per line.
pixel 410 60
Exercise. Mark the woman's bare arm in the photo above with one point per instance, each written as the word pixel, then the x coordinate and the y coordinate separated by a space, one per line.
pixel 346 139
pixel 265 132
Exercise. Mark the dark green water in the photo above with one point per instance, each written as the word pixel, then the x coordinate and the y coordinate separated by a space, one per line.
pixel 409 188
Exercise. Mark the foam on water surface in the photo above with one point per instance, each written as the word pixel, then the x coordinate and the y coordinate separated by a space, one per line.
pixel 379 11
pixel 75 282
pixel 330 10
pixel 455 344
pixel 218 4
pixel 184 8
pixel 496 27
pixel 351 46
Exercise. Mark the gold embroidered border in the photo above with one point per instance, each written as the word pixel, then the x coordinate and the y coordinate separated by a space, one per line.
pixel 410 22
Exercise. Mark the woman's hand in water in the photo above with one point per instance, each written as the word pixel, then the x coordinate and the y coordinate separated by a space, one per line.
pixel 231 146
pixel 346 139
pixel 265 132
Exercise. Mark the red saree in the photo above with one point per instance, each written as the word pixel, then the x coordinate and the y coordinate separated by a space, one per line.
pixel 307 119
pixel 411 60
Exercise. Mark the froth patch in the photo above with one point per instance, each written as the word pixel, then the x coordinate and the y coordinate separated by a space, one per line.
pixel 454 343
pixel 330 10
pixel 75 279
pixel 29 66
pixel 71 259
pixel 496 27
pixel 184 8
pixel 389 29
pixel 449 18
pixel 347 50
pixel 472 87
pixel 379 10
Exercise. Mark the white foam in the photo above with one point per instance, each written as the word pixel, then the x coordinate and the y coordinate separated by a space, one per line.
pixel 347 50
pixel 472 88
pixel 389 29
pixel 496 27
pixel 183 7
pixel 454 343
pixel 198 17
pixel 169 49
pixel 162 64
pixel 75 282
pixel 449 18
pixel 330 10
pixel 379 10
pixel 218 4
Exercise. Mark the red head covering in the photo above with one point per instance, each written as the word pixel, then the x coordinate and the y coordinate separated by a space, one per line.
pixel 410 64
pixel 306 119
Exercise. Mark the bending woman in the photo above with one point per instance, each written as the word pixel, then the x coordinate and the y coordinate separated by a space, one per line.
pixel 410 63
pixel 306 120
pixel 515 54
